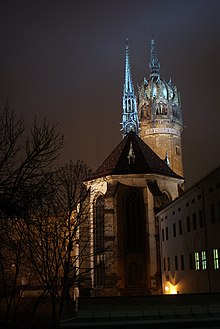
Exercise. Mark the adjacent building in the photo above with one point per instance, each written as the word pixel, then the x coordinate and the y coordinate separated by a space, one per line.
pixel 189 239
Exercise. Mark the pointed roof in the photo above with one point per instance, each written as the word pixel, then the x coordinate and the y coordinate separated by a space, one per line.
pixel 154 62
pixel 133 156
pixel 129 112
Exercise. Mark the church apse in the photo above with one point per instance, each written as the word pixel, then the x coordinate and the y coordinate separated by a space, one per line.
pixel 132 239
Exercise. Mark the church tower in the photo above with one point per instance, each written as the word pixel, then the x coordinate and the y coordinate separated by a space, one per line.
pixel 159 110
pixel 129 113
pixel 138 178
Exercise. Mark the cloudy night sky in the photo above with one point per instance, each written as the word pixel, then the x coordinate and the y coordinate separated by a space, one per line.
pixel 65 60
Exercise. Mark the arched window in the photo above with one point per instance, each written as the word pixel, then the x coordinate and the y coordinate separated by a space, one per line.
pixel 134 222
pixel 98 232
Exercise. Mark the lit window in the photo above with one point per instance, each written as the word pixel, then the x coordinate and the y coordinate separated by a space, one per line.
pixel 216 259
pixel 204 264
pixel 197 261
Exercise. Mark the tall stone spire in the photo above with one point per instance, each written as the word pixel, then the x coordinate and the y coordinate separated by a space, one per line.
pixel 130 114
pixel 154 63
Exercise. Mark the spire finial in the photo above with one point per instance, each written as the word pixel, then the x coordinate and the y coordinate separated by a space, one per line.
pixel 154 63
pixel 129 116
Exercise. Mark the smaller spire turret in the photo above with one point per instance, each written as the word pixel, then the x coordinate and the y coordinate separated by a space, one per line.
pixel 130 115
pixel 154 63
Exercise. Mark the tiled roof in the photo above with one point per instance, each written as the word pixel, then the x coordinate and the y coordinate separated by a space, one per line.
pixel 142 160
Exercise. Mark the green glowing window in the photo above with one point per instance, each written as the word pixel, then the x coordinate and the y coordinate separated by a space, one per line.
pixel 216 259
pixel 197 265
pixel 204 264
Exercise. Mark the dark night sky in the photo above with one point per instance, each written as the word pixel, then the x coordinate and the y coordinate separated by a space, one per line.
pixel 65 60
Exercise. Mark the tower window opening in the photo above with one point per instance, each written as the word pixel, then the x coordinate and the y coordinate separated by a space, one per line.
pixel 161 109
pixel 177 150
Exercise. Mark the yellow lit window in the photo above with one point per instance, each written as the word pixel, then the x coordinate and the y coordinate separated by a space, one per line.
pixel 216 259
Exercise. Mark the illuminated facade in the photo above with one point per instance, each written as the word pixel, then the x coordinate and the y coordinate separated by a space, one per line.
pixel 160 116
pixel 189 235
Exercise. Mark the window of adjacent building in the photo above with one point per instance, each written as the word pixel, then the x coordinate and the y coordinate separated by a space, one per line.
pixel 212 213
pixel 194 221
pixel 176 263
pixel 167 235
pixel 191 261
pixel 162 234
pixel 174 230
pixel 200 218
pixel 216 259
pixel 182 263
pixel 197 263
pixel 168 263
pixel 180 228
pixel 188 223
pixel 204 264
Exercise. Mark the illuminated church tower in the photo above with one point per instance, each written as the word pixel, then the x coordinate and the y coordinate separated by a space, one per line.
pixel 160 115
pixel 130 114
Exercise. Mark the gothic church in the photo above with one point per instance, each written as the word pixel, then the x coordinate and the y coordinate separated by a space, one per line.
pixel 142 174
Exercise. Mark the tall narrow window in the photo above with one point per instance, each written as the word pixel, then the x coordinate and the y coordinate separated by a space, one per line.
pixel 174 230
pixel 188 223
pixel 168 263
pixel 164 264
pixel 182 263
pixel 200 218
pixel 99 270
pixel 204 264
pixel 162 234
pixel 212 213
pixel 191 261
pixel 197 263
pixel 167 235
pixel 194 221
pixel 180 228
pixel 134 224
pixel 216 259
pixel 176 263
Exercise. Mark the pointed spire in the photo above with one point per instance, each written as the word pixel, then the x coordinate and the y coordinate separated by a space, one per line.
pixel 130 115
pixel 154 63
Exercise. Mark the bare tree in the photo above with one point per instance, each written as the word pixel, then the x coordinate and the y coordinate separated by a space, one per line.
pixel 25 167
pixel 52 233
